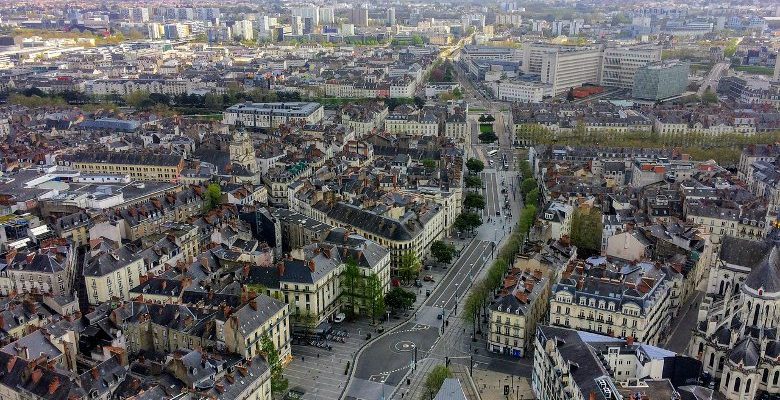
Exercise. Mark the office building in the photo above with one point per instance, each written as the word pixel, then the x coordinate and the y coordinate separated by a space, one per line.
pixel 296 25
pixel 391 16
pixel 568 67
pixel 661 80
pixel 139 14
pixel 155 30
pixel 619 64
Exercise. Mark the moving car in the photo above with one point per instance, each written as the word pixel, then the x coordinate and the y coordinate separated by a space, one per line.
pixel 340 317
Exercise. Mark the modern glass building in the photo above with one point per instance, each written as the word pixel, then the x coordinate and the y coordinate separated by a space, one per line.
pixel 661 80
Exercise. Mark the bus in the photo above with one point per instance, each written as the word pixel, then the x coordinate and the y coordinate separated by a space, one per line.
pixel 491 153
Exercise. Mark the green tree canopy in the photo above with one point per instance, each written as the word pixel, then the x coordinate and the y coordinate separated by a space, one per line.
pixel 475 165
pixel 442 252
pixel 472 181
pixel 213 195
pixel 410 266
pixel 527 186
pixel 436 378
pixel 487 137
pixel 268 350
pixel 586 229
pixel 474 201
pixel 399 299
pixel 429 163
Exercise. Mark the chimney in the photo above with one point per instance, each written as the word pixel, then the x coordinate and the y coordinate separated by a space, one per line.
pixel 280 268
pixel 312 265
pixel 592 396
pixel 630 341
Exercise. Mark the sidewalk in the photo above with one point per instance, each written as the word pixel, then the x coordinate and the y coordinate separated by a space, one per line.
pixel 490 386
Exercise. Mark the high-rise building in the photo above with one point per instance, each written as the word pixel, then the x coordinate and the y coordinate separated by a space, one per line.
pixel 312 12
pixel 139 14
pixel 242 30
pixel 661 80
pixel 619 64
pixel 348 29
pixel 391 16
pixel 155 31
pixel 327 15
pixel 297 25
pixel 564 67
pixel 777 65
pixel 359 16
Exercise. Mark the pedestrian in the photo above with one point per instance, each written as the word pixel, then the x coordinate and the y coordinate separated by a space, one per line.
pixel 303 359
pixel 318 355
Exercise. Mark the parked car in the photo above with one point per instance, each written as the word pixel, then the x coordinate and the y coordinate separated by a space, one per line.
pixel 340 317
pixel 428 278
pixel 417 283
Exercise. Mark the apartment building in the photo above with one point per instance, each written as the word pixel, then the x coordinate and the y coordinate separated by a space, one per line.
pixel 310 279
pixel 50 269
pixel 513 317
pixel 261 316
pixel 630 300
pixel 167 86
pixel 272 115
pixel 579 365
pixel 142 167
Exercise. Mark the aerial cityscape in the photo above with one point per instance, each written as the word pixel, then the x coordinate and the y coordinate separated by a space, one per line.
pixel 426 200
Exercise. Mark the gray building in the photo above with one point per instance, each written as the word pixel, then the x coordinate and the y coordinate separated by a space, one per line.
pixel 661 80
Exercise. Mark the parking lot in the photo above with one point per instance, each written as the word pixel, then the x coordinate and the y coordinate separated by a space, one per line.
pixel 319 372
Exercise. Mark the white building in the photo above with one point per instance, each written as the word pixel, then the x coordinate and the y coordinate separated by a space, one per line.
pixel 619 64
pixel 242 30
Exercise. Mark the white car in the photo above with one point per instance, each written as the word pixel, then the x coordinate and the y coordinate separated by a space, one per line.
pixel 340 317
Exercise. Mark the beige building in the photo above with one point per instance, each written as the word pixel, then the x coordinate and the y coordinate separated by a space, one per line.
pixel 142 167
pixel 630 300
pixel 245 327
pixel 514 316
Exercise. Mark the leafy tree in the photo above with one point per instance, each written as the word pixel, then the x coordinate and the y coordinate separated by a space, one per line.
pixel 474 201
pixel 532 197
pixel 410 266
pixel 305 318
pixel 138 99
pixel 586 229
pixel 527 218
pixel 472 181
pixel 268 350
pixel 475 165
pixel 429 163
pixel 376 303
pixel 399 299
pixel 442 252
pixel 213 195
pixel 351 281
pixel 436 378
pixel 527 186
pixel 525 169
pixel 709 97
pixel 461 223
pixel 488 137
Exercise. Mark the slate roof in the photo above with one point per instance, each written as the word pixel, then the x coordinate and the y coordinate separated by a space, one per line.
pixel 766 275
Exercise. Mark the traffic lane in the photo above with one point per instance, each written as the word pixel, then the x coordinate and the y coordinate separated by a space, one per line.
pixel 474 263
pixel 387 359
pixel 464 283
pixel 468 258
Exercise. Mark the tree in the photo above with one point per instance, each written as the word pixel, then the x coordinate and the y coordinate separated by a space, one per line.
pixel 376 303
pixel 268 350
pixel 351 281
pixel 442 252
pixel 429 163
pixel 586 229
pixel 400 299
pixel 527 218
pixel 436 378
pixel 475 165
pixel 461 223
pixel 138 99
pixel 527 186
pixel 532 197
pixel 487 137
pixel 410 266
pixel 213 195
pixel 525 169
pixel 709 97
pixel 474 201
pixel 472 181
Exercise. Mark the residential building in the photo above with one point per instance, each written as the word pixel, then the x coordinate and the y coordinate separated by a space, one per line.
pixel 619 300
pixel 522 303
pixel 272 115
pixel 142 167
